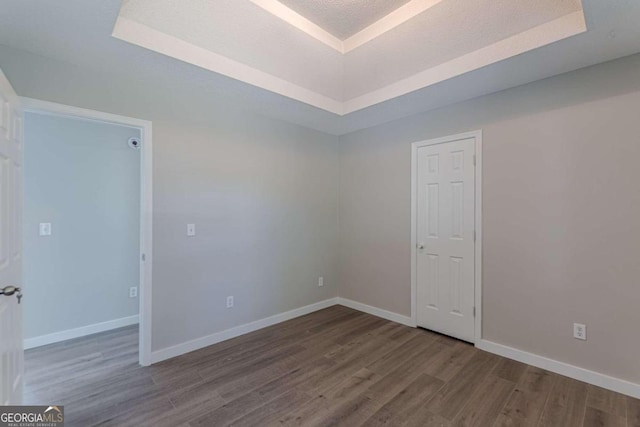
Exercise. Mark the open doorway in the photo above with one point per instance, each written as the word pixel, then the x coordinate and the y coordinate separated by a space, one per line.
pixel 87 230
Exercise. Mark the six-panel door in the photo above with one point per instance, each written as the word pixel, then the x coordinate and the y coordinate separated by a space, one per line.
pixel 445 255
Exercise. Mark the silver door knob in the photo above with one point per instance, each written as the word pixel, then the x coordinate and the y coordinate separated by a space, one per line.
pixel 420 245
pixel 11 290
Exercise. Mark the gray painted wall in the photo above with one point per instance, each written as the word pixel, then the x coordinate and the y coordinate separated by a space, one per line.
pixel 262 193
pixel 559 173
pixel 264 200
pixel 561 203
pixel 83 178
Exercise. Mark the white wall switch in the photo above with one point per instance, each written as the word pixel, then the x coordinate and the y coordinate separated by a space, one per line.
pixel 320 281
pixel 133 292
pixel 191 230
pixel 229 302
pixel 579 331
pixel 45 229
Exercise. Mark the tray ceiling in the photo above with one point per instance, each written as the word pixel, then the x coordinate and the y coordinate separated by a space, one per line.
pixel 343 18
pixel 417 43
pixel 63 44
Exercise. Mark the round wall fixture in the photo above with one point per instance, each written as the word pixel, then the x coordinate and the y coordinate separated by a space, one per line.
pixel 135 143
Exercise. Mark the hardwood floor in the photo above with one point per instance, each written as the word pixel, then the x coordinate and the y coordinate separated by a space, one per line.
pixel 333 367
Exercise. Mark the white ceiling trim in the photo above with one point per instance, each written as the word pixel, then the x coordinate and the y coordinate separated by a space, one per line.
pixel 150 38
pixel 378 28
pixel 558 29
pixel 300 22
pixel 389 22
pixel 142 35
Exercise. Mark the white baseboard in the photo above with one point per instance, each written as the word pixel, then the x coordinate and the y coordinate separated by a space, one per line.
pixel 189 346
pixel 581 374
pixel 571 371
pixel 375 311
pixel 601 380
pixel 79 332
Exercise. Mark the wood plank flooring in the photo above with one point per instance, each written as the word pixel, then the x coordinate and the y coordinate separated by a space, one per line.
pixel 333 367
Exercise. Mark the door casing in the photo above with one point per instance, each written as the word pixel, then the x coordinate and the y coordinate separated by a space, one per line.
pixel 146 200
pixel 477 136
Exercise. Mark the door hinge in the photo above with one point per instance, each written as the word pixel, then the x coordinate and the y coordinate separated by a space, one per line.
pixel 474 235
pixel 474 312
pixel 474 160
pixel 143 257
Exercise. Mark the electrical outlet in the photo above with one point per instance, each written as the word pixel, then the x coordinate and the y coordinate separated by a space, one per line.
pixel 320 281
pixel 45 229
pixel 191 230
pixel 229 302
pixel 580 331
pixel 133 292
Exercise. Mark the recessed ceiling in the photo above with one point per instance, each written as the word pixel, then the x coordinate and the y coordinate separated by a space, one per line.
pixel 343 18
pixel 64 52
pixel 417 44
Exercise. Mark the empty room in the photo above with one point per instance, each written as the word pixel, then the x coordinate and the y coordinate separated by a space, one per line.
pixel 319 212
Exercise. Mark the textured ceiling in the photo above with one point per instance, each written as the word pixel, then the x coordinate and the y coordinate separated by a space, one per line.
pixel 343 18
pixel 448 30
pixel 439 40
pixel 239 30
pixel 64 52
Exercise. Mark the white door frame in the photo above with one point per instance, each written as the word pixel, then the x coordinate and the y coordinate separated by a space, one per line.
pixel 477 135
pixel 146 200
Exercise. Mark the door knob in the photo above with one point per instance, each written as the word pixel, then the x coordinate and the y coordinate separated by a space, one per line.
pixel 11 290
pixel 420 245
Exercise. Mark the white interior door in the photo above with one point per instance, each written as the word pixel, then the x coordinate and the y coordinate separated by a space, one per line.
pixel 11 352
pixel 445 255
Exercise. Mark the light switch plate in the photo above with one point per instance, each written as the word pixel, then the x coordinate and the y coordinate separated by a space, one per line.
pixel 45 229
pixel 191 230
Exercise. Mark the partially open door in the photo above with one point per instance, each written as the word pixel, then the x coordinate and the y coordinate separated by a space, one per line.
pixel 11 350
